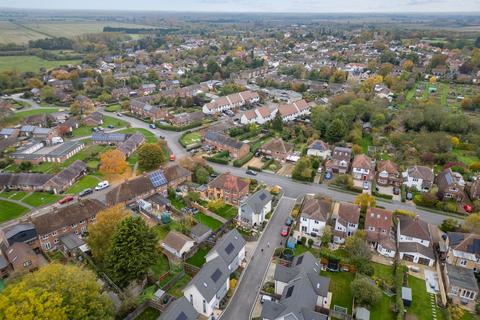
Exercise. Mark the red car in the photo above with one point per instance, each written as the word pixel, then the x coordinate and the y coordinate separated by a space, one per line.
pixel 468 208
pixel 65 200
pixel 172 157
pixel 284 231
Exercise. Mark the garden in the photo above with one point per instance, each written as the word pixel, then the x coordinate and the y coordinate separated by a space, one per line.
pixel 10 210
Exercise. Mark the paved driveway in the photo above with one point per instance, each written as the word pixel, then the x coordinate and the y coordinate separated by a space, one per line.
pixel 244 298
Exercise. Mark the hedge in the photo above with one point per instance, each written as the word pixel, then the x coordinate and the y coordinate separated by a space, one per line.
pixel 218 160
pixel 382 195
pixel 179 129
pixel 254 169
pixel 240 162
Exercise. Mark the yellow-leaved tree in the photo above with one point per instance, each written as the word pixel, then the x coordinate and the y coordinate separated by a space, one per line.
pixel 55 292
pixel 113 162
pixel 364 200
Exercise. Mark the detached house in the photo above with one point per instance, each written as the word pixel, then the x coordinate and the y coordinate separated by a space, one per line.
pixel 378 226
pixel 177 244
pixel 363 168
pixel 314 216
pixel 340 162
pixel 230 248
pixel 180 309
pixel 464 250
pixel 414 240
pixel 227 187
pixel 450 185
pixel 418 177
pixel 277 149
pixel 237 149
pixel 346 216
pixel 253 210
pixel 461 286
pixel 301 289
pixel 388 174
pixel 318 148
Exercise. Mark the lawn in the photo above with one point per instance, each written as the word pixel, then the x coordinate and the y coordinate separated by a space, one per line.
pixel 84 183
pixel 176 290
pixel 31 63
pixel 383 310
pixel 421 305
pixel 366 142
pixel 210 222
pixel 39 199
pixel 117 123
pixel 14 195
pixel 113 108
pixel 84 131
pixel 198 259
pixel 340 288
pixel 10 210
pixel 164 229
pixel 150 137
pixel 226 211
pixel 191 138
pixel 466 157
pixel 177 202
pixel 383 272
pixel 161 265
pixel 148 314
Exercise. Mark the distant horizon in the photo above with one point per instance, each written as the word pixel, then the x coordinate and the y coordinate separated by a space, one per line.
pixel 256 6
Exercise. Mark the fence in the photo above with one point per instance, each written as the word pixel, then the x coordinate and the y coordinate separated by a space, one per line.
pixel 191 270
pixel 174 280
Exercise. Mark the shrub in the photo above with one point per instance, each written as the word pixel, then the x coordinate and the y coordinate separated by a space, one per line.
pixel 303 240
pixel 240 162
pixel 310 242
pixel 218 160
pixel 405 213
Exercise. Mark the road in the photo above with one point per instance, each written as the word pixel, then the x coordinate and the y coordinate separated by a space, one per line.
pixel 244 298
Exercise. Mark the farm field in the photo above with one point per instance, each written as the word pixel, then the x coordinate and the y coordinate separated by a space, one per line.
pixel 10 32
pixel 31 63
pixel 10 210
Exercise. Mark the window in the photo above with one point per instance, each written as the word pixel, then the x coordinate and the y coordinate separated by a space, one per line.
pixel 371 228
pixel 54 233
pixel 304 219
pixel 45 237
pixel 56 241
pixel 204 307
pixel 304 229
pixel 27 263
pixel 191 299
pixel 463 262
pixel 47 245
pixel 74 225
pixel 82 222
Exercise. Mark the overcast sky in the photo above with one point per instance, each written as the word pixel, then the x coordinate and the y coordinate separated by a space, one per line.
pixel 255 5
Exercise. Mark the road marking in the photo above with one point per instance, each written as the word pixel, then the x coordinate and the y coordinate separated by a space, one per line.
pixel 288 198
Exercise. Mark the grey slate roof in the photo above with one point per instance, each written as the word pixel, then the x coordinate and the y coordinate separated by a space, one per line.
pixel 223 139
pixel 180 309
pixel 3 262
pixel 461 277
pixel 199 230
pixel 17 228
pixel 71 241
pixel 416 247
pixel 68 174
pixel 258 200
pixel 204 279
pixel 229 246
pixel 65 148
pixel 24 179
pixel 108 137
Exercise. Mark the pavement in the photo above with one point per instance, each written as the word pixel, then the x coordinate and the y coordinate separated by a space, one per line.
pixel 244 298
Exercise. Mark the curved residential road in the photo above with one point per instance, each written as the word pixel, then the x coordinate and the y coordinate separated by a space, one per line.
pixel 244 298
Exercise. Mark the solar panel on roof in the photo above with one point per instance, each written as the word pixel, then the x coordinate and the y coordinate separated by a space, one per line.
pixel 263 196
pixel 229 248
pixel 299 260
pixel 216 275
pixel 182 316
pixel 289 292
pixel 157 178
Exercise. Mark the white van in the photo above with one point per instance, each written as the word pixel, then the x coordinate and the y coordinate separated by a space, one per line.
pixel 267 298
pixel 102 185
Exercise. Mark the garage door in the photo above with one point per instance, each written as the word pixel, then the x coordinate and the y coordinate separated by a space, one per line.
pixel 408 257
pixel 424 261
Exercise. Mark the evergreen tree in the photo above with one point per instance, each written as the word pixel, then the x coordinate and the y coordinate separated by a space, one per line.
pixel 277 123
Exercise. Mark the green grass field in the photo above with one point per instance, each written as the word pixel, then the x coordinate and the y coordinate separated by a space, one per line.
pixel 149 314
pixel 83 183
pixel 340 288
pixel 161 265
pixel 421 304
pixel 176 290
pixel 85 131
pixel 383 309
pixel 191 138
pixel 198 259
pixel 113 108
pixel 14 195
pixel 31 63
pixel 210 222
pixel 39 199
pixel 10 210
pixel 10 32
pixel 467 157
pixel 226 211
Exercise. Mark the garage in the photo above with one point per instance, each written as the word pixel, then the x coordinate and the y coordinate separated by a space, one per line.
pixel 408 257
pixel 424 261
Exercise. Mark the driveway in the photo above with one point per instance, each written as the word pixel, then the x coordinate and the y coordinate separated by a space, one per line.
pixel 244 298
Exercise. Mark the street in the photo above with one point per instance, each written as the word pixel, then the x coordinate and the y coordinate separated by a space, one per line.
pixel 244 298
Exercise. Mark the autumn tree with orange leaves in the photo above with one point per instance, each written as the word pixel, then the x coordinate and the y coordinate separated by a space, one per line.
pixel 113 162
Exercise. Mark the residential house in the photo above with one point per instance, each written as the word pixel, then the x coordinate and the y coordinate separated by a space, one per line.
pixel 461 286
pixel 474 189
pixel 22 257
pixel 319 148
pixel 418 177
pixel 314 216
pixel 388 174
pixel 237 149
pixel 108 138
pixel 208 287
pixel 346 217
pixel 464 250
pixel 260 115
pixel 138 188
pixel 72 245
pixel 120 93
pixel 4 266
pixel 230 248
pixel 39 120
pixel 129 146
pixel 176 175
pixel 253 210
pixel 414 240
pixel 93 119
pixel 227 187
pixel 180 309
pixel 145 110
pixel 378 226
pixel 277 149
pixel 147 89
pixel 66 178
pixel 450 185
pixel 24 181
pixel 20 232
pixel 9 132
pixel 200 232
pixel 301 289
pixel 340 162
pixel 294 110
pixel 177 244
pixel 59 221
pixel 231 101
pixel 86 105
pixel 184 119
pixel 363 168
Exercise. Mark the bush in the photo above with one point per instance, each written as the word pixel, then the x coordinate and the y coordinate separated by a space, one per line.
pixel 310 242
pixel 426 199
pixel 382 195
pixel 217 160
pixel 405 213
pixel 178 129
pixel 240 162
pixel 303 240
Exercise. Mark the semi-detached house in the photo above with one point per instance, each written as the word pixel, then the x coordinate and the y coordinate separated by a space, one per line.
pixel 414 240
pixel 230 102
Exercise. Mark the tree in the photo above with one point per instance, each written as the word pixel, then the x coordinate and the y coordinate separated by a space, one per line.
pixel 449 225
pixel 113 162
pixel 327 235
pixel 132 251
pixel 100 233
pixel 105 97
pixel 277 122
pixel 365 200
pixel 336 131
pixel 472 223
pixel 455 141
pixel 359 252
pixel 55 292
pixel 150 156
pixel 34 83
pixel 47 93
pixel 303 170
pixel 408 65
pixel 365 292
pixel 456 312
pixel 201 175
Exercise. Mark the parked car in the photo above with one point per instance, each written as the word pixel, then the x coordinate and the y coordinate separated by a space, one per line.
pixel 172 157
pixel 366 185
pixel 119 114
pixel 95 129
pixel 85 192
pixel 409 196
pixel 102 185
pixel 152 126
pixel 65 200
pixel 289 221
pixel 396 191
pixel 328 175
pixel 258 154
pixel 267 298
pixel 110 126
pixel 251 172
pixel 284 231
pixel 468 208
